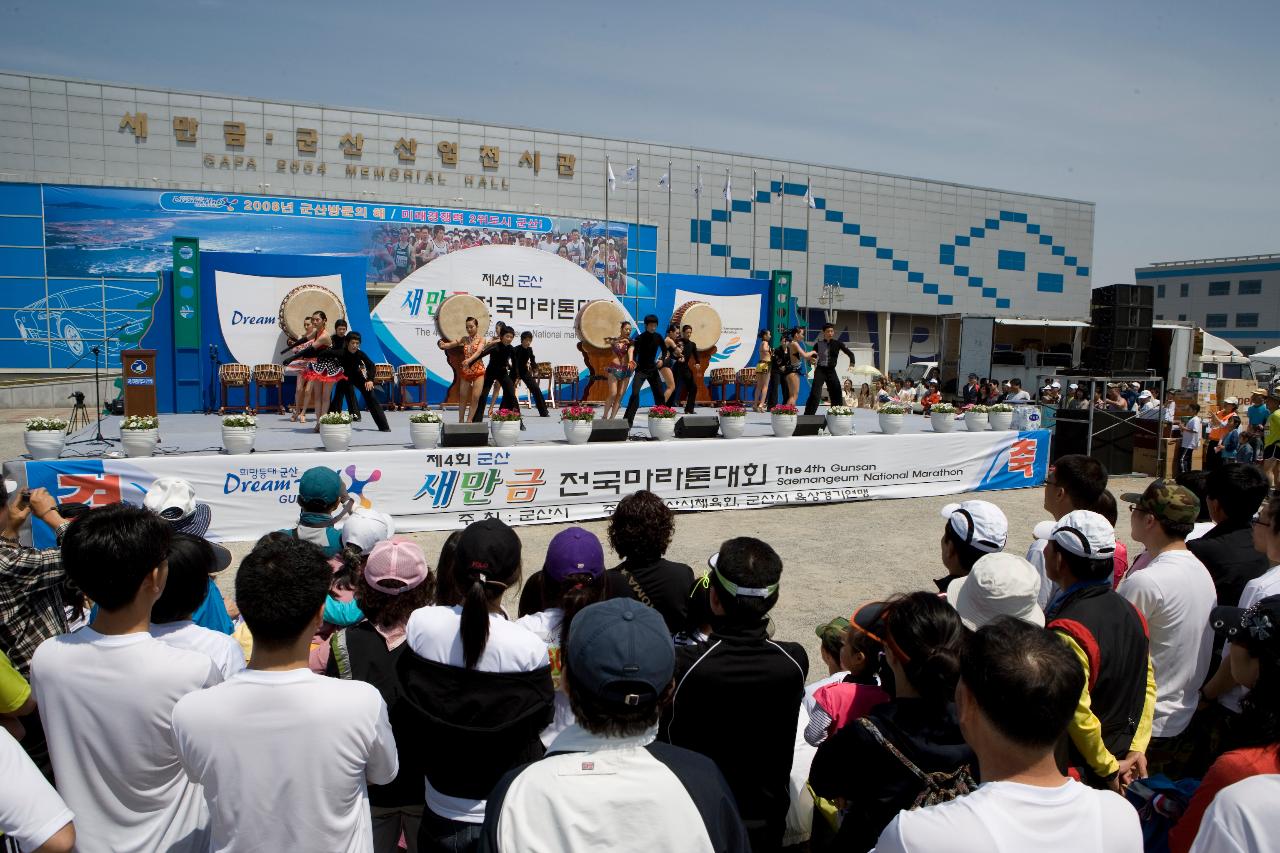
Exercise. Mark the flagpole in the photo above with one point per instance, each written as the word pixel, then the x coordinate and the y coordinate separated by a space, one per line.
pixel 755 204
pixel 697 219
pixel 668 216
pixel 607 168
pixel 624 278
pixel 782 223
pixel 808 255
pixel 726 222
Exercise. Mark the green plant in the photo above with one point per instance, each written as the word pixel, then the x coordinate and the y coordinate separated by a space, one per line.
pixel 895 409
pixel 840 411
pixel 784 409
pixel 661 412
pixel 424 418
pixel 1000 407
pixel 978 409
pixel 140 422
pixel 42 424
pixel 244 421
pixel 505 415
pixel 577 413
pixel 942 409
pixel 336 419
pixel 732 411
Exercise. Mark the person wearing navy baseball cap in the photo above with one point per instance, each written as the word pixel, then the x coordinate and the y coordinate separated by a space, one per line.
pixel 618 667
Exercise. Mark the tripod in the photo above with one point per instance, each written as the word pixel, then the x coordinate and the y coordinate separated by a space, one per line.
pixel 98 437
pixel 79 415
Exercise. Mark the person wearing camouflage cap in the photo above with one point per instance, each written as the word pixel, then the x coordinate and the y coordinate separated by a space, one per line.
pixel 1174 593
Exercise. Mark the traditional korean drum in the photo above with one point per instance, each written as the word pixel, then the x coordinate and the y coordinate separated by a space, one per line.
pixel 383 373
pixel 267 374
pixel 412 374
pixel 305 300
pixel 598 322
pixel 451 316
pixel 234 374
pixel 705 321
pixel 722 376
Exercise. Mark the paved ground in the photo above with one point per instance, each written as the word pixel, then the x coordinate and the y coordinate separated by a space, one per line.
pixel 835 556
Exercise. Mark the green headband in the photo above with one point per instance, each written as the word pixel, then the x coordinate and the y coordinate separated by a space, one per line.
pixel 735 590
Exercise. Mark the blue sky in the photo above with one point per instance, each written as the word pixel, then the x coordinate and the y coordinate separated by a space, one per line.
pixel 1165 114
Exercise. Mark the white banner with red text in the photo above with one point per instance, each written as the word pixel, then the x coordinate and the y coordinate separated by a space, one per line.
pixel 443 489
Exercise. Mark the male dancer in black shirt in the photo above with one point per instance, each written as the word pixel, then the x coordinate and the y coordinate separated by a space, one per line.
pixel 647 355
pixel 523 370
pixel 688 357
pixel 825 351
pixel 357 371
pixel 501 357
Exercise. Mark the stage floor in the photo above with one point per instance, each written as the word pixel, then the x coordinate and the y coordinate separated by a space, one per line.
pixel 188 433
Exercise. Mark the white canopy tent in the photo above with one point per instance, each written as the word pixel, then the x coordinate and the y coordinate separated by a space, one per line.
pixel 1269 357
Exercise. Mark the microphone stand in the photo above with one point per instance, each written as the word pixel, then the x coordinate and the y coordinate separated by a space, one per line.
pixel 98 437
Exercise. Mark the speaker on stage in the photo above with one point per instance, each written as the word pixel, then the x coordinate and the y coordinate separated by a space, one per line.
pixel 809 424
pixel 609 429
pixel 697 426
pixel 464 435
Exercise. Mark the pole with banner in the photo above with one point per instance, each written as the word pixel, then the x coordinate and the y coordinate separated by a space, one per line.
pixel 668 216
pixel 808 255
pixel 755 204
pixel 728 196
pixel 697 219
pixel 189 376
pixel 782 221
pixel 608 188
pixel 636 247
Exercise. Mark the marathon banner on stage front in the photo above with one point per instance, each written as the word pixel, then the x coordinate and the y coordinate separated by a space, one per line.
pixel 446 488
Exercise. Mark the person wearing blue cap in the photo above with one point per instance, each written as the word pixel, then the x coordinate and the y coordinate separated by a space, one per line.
pixel 572 578
pixel 606 783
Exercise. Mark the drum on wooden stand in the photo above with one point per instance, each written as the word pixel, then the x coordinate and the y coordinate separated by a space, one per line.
pixel 597 324
pixel 451 322
pixel 303 301
pixel 705 332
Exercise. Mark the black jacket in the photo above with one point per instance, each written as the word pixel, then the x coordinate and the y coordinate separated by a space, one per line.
pixel 663 585
pixel 475 726
pixel 824 347
pixel 851 764
pixel 737 699
pixel 524 362
pixel 357 366
pixel 1227 552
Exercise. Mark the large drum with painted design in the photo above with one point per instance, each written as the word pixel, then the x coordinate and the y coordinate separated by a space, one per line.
pixel 303 301
pixel 705 321
pixel 451 316
pixel 598 323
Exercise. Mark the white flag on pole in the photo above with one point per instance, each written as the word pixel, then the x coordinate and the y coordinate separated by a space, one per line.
pixel 728 188
pixel 613 182
pixel 665 181
pixel 808 196
pixel 631 175
pixel 697 188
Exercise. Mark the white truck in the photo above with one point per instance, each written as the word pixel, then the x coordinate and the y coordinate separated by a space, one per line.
pixel 1181 349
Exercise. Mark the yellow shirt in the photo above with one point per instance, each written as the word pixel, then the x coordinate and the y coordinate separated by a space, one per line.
pixel 14 689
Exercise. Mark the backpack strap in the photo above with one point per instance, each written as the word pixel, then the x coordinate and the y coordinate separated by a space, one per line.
pixel 895 752
pixel 340 654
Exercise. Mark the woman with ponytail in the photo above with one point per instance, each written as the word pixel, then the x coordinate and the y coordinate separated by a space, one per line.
pixel 907 752
pixel 572 578
pixel 477 688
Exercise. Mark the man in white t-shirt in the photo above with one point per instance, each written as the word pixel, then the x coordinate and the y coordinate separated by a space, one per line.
pixel 1074 481
pixel 31 812
pixel 1174 593
pixel 1018 691
pixel 106 694
pixel 284 754
pixel 1242 818
pixel 1016 392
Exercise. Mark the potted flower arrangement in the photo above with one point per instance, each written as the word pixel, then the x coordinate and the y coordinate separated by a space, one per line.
pixel 943 417
pixel 892 416
pixel 783 418
pixel 238 433
pixel 975 418
pixel 45 437
pixel 840 420
pixel 1000 415
pixel 424 429
pixel 662 422
pixel 577 423
pixel 139 434
pixel 733 420
pixel 335 431
pixel 504 427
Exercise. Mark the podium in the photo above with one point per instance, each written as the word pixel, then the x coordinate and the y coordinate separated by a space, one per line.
pixel 139 381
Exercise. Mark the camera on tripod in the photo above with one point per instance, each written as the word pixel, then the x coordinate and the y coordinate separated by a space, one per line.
pixel 78 396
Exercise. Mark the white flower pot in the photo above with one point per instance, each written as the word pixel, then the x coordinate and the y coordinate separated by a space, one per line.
pixel 238 440
pixel 732 427
pixel 138 442
pixel 576 432
pixel 943 421
pixel 1000 420
pixel 505 433
pixel 891 424
pixel 839 424
pixel 975 421
pixel 663 429
pixel 784 426
pixel 425 435
pixel 44 443
pixel 335 437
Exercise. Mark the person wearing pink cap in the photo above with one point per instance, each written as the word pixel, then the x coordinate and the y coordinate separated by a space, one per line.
pixel 395 582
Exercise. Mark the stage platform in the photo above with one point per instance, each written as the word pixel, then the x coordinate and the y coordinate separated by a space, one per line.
pixel 542 479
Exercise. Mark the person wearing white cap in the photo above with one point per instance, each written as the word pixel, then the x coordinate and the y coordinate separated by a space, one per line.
pixel 973 529
pixel 1112 725
pixel 365 528
pixel 174 500
pixel 1219 425
pixel 1000 584
pixel 1148 407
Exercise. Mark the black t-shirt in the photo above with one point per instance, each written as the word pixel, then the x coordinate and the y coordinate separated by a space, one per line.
pixel 647 346
pixel 501 357
pixel 524 361
pixel 688 352
pixel 666 585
